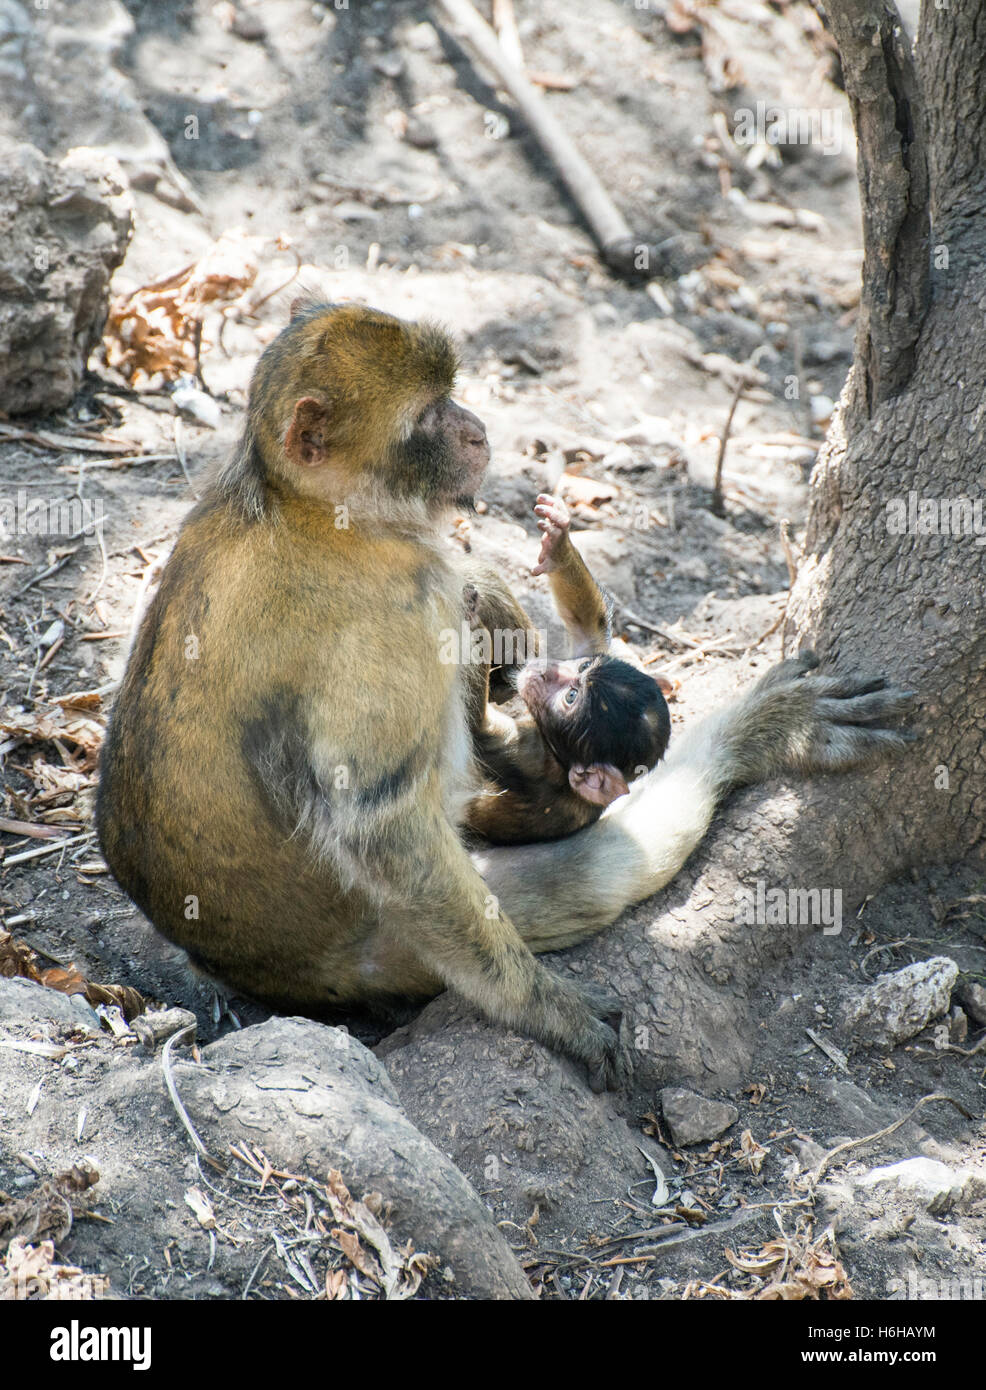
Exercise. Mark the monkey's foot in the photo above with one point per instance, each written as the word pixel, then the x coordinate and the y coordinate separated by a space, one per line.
pixel 597 1045
pixel 833 723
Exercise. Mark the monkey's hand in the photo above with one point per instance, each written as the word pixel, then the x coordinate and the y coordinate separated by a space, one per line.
pixel 553 523
pixel 796 720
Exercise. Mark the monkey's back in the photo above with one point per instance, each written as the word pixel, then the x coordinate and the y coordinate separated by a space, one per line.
pixel 229 686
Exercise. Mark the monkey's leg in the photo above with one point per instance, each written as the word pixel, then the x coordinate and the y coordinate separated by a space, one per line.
pixel 460 935
pixel 560 893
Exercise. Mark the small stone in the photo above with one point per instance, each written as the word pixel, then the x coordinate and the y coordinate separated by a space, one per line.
pixel 249 26
pixel 823 351
pixel 972 997
pixel 423 38
pixel 653 432
pixel 934 1184
pixel 420 134
pixel 902 1002
pixel 620 457
pixel 197 405
pixel 693 1119
pixel 351 211
pixel 389 64
pixel 157 1027
pixel 821 408
pixel 958 1025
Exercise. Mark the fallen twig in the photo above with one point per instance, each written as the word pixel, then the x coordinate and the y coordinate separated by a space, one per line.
pixel 718 506
pixel 186 1034
pixel 53 848
pixel 609 227
pixel 848 1144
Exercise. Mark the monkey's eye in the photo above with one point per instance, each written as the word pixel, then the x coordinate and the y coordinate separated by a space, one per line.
pixel 571 695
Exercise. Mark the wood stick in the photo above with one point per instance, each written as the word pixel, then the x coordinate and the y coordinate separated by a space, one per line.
pixel 608 226
pixel 505 24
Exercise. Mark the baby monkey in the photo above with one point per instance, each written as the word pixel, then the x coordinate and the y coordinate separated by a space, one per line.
pixel 594 721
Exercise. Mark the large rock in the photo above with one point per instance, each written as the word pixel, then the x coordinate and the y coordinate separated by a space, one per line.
pixel 64 229
pixel 309 1097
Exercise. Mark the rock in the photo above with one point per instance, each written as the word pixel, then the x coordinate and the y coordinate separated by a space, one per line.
pixel 821 351
pixel 317 1099
pixel 821 408
pixel 14 31
pixel 348 210
pixel 621 457
pixel 423 38
pixel 652 431
pixel 958 1025
pixel 972 997
pixel 934 1184
pixel 249 26
pixel 692 1118
pixel 899 1004
pixel 312 1098
pixel 156 1027
pixel 389 64
pixel 420 134
pixel 24 1002
pixel 64 229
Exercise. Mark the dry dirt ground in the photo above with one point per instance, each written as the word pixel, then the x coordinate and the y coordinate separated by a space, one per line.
pixel 366 139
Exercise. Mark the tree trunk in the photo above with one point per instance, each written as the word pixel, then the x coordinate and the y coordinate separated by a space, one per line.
pixel 911 426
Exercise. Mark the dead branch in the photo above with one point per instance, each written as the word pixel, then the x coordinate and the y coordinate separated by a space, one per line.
pixel 608 226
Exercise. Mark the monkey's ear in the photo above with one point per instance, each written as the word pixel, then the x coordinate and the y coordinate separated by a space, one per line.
pixel 599 783
pixel 307 440
pixel 666 687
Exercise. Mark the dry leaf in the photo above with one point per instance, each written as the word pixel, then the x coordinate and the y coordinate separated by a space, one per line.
pixel 357 1256
pixel 30 1272
pixel 202 1207
pixel 577 489
pixel 752 1154
pixel 154 330
pixel 48 1209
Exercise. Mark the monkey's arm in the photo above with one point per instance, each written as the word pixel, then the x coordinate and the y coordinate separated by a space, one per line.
pixel 791 720
pixel 491 604
pixel 576 595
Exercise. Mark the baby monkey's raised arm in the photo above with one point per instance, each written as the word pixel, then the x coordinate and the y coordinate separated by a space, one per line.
pixel 593 722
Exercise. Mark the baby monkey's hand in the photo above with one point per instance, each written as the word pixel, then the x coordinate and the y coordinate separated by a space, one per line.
pixel 553 523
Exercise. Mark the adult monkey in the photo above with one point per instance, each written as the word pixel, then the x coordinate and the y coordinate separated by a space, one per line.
pixel 288 756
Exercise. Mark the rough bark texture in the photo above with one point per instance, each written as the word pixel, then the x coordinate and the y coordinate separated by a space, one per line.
pixel 893 181
pixel 912 419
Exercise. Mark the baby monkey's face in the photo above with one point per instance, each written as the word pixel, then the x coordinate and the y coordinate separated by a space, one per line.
pixel 554 690
pixel 604 720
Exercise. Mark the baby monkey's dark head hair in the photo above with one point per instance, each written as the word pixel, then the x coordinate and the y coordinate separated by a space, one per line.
pixel 622 719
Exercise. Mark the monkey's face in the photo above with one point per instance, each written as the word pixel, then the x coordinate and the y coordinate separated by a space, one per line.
pixel 553 691
pixel 601 718
pixel 444 456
